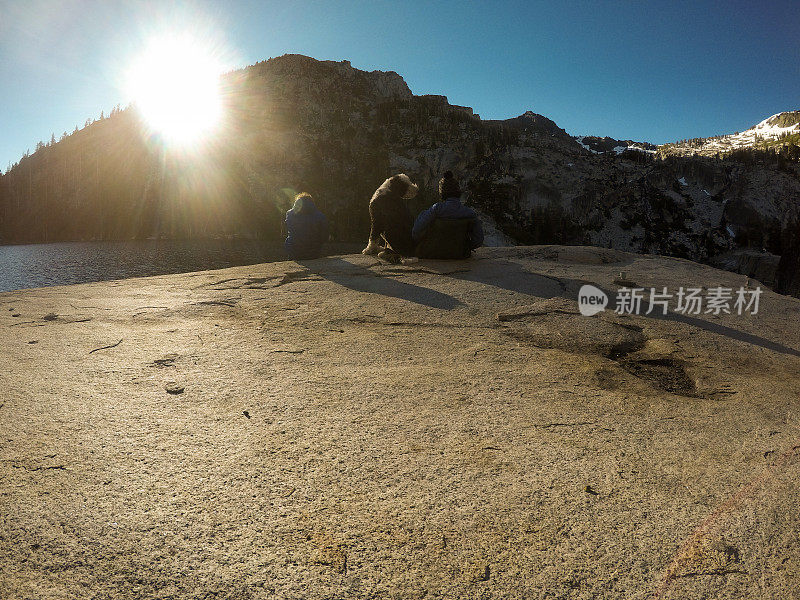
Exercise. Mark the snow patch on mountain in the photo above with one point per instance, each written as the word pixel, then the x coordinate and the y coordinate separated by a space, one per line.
pixel 642 149
pixel 770 129
pixel 598 145
pixel 580 139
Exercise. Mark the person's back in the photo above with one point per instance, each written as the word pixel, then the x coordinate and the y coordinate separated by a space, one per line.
pixel 306 229
pixel 448 229
pixel 446 239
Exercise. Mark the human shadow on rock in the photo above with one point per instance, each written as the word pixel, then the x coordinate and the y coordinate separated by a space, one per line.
pixel 512 277
pixel 364 280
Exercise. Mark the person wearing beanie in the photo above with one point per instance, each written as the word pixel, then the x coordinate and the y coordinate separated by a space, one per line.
pixel 448 186
pixel 448 229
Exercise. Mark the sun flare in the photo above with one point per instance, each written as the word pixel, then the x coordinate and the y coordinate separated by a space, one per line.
pixel 175 83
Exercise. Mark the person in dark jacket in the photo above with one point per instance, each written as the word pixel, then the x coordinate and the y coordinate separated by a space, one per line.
pixel 448 229
pixel 306 229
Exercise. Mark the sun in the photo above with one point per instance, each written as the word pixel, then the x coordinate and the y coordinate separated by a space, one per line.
pixel 175 84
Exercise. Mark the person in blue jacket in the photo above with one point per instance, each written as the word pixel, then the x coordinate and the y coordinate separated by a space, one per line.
pixel 306 229
pixel 448 229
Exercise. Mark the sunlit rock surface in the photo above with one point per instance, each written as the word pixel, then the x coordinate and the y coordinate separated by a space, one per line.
pixel 342 428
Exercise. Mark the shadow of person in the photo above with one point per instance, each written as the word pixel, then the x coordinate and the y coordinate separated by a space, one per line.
pixel 364 280
pixel 512 277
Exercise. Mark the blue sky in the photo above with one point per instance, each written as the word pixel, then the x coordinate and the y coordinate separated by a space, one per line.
pixel 648 71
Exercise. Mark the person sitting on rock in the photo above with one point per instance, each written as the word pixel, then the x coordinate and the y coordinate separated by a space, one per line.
pixel 391 220
pixel 306 229
pixel 448 229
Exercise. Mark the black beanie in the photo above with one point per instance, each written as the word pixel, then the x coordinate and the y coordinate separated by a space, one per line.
pixel 448 186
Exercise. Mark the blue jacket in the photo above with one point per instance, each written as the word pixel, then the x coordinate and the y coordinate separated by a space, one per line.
pixel 306 228
pixel 448 209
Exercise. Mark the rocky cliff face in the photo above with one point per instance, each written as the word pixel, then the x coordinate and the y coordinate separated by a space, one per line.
pixel 295 123
pixel 538 183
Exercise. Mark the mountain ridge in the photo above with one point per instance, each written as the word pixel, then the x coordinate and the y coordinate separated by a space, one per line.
pixel 295 123
pixel 779 130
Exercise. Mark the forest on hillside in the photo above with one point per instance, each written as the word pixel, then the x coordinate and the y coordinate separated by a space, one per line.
pixel 112 180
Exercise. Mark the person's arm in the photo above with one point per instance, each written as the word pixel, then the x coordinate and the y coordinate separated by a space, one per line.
pixel 323 229
pixel 422 223
pixel 376 227
pixel 476 234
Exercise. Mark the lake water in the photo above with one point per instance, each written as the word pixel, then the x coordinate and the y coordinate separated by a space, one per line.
pixel 40 265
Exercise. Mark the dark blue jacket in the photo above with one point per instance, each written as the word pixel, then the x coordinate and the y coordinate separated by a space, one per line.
pixel 307 230
pixel 448 209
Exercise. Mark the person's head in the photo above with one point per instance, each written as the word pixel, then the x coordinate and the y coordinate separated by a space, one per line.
pixel 448 186
pixel 303 202
pixel 402 185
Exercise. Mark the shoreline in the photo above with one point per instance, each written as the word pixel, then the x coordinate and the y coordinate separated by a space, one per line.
pixel 87 262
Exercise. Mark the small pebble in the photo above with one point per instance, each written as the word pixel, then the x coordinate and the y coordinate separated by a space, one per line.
pixel 15 315
pixel 34 342
pixel 590 490
pixel 173 388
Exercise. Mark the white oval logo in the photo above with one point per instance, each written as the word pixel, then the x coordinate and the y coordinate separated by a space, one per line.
pixel 591 300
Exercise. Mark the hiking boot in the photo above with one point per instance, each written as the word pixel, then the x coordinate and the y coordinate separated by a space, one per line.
pixel 390 256
pixel 372 248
